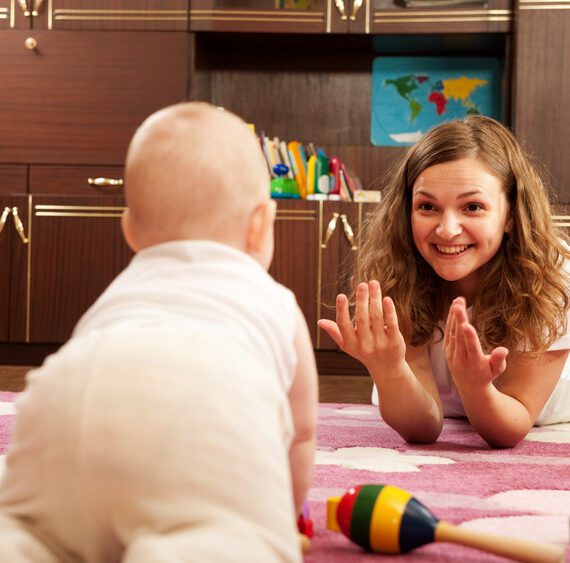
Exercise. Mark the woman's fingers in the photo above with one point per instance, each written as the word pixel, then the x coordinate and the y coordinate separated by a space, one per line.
pixel 361 314
pixel 390 318
pixel 343 320
pixel 376 311
pixel 331 328
pixel 498 361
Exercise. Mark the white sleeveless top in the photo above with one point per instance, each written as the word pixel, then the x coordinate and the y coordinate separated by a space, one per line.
pixel 556 409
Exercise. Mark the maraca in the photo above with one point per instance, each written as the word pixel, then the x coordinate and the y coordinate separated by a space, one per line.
pixel 386 519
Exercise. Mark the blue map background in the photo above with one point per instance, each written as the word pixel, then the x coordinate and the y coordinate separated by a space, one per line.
pixel 391 114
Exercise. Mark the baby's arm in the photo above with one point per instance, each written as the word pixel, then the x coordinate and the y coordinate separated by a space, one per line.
pixel 409 400
pixel 502 399
pixel 303 398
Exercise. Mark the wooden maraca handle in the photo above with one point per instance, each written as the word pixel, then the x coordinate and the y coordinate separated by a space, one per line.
pixel 519 550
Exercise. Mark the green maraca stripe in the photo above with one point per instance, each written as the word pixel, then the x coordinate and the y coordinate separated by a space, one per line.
pixel 362 514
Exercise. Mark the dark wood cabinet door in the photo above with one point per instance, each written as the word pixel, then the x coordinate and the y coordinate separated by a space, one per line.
pixel 339 244
pixel 78 97
pixel 15 14
pixel 17 232
pixel 269 16
pixel 542 89
pixel 13 250
pixel 295 260
pixel 76 249
pixel 148 15
pixel 494 16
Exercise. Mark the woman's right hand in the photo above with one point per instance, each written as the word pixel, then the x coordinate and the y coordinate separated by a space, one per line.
pixel 374 338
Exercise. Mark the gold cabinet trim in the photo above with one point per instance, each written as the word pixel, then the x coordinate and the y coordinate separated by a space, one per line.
pixel 151 15
pixel 78 211
pixel 257 16
pixel 427 16
pixel 111 15
pixel 12 16
pixel 29 273
pixel 540 2
pixel 545 7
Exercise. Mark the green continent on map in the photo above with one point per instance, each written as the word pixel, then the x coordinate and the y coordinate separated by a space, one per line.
pixel 439 92
pixel 405 85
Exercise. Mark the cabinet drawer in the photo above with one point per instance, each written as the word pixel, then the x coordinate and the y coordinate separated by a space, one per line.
pixel 97 181
pixel 77 98
pixel 13 179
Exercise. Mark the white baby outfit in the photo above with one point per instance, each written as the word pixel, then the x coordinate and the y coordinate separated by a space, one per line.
pixel 160 432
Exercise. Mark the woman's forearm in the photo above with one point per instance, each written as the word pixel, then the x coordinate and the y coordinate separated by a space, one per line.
pixel 501 420
pixel 406 405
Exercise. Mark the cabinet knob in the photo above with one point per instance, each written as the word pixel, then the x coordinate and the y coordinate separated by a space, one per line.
pixel 31 43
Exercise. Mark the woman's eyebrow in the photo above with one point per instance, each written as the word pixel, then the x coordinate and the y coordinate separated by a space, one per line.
pixel 462 195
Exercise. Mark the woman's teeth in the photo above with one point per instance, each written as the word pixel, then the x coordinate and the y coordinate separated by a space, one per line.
pixel 452 249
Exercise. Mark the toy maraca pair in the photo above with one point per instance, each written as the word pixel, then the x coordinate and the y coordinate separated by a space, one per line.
pixel 386 519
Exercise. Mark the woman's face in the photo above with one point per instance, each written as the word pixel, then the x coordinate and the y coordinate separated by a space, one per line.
pixel 459 216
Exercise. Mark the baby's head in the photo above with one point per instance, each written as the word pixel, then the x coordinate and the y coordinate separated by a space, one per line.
pixel 196 172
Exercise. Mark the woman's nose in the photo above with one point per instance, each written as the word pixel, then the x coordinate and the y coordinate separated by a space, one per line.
pixel 449 226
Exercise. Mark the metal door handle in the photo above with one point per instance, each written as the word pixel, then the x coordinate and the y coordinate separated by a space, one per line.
pixel 348 232
pixel 19 226
pixel 330 230
pixel 356 5
pixel 341 9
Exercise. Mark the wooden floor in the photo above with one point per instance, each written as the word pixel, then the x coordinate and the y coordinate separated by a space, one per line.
pixel 332 388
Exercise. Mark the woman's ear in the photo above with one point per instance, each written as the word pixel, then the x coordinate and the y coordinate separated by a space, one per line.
pixel 509 223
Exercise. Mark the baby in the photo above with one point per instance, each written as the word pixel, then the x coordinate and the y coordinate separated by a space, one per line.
pixel 178 423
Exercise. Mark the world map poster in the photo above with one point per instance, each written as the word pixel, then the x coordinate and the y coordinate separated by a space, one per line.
pixel 412 94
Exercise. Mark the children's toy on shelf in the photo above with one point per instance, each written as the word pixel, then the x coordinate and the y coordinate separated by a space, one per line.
pixel 386 519
pixel 282 186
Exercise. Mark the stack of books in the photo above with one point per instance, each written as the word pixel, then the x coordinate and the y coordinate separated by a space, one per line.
pixel 302 171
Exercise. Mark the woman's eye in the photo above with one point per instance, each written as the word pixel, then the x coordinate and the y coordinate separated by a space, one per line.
pixel 425 206
pixel 473 207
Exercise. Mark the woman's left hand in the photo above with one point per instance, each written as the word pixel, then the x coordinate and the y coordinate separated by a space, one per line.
pixel 470 368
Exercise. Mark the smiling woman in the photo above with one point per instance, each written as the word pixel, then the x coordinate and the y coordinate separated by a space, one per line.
pixel 460 215
pixel 462 290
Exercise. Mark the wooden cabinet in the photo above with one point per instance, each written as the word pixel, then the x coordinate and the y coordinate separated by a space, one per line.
pixel 68 108
pixel 13 249
pixel 67 249
pixel 157 15
pixel 387 16
pixel 267 16
pixel 542 88
pixel 316 244
pixel 77 98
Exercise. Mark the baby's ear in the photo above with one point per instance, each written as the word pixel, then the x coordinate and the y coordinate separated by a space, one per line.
pixel 261 220
pixel 127 228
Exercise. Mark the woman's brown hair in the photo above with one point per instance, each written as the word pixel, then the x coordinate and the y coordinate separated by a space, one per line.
pixel 524 294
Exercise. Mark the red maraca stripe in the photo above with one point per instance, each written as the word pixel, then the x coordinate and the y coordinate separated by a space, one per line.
pixel 344 511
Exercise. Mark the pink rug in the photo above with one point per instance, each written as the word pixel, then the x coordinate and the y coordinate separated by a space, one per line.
pixel 522 492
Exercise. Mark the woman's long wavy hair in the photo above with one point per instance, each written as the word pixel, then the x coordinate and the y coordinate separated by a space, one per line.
pixel 524 290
